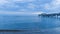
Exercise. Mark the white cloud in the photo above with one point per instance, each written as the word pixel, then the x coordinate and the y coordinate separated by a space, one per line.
pixel 8 4
pixel 53 6
pixel 32 6
pixel 22 10
pixel 12 1
pixel 24 0
pixel 40 12
pixel 3 2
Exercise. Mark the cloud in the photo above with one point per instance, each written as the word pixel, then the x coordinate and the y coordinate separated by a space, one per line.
pixel 23 0
pixel 40 12
pixel 54 6
pixel 10 6
pixel 3 1
pixel 29 5
pixel 32 6
pixel 7 5
pixel 15 4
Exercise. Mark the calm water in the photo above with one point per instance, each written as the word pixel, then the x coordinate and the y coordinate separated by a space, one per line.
pixel 32 24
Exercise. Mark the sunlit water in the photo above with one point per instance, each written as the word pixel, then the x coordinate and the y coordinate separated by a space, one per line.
pixel 32 24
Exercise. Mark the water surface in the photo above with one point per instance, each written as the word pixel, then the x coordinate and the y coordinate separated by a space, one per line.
pixel 32 24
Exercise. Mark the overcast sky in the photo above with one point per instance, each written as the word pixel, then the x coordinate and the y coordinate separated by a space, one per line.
pixel 29 6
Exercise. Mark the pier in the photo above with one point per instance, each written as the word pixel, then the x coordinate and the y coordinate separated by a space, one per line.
pixel 49 15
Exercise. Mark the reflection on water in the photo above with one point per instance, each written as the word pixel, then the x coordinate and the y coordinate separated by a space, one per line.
pixel 49 22
pixel 33 24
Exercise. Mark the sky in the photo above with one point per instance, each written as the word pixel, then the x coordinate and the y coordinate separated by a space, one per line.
pixel 20 7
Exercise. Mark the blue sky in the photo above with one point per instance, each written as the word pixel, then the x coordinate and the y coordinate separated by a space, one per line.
pixel 29 6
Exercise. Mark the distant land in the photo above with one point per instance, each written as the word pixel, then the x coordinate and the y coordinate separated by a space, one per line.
pixel 52 14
